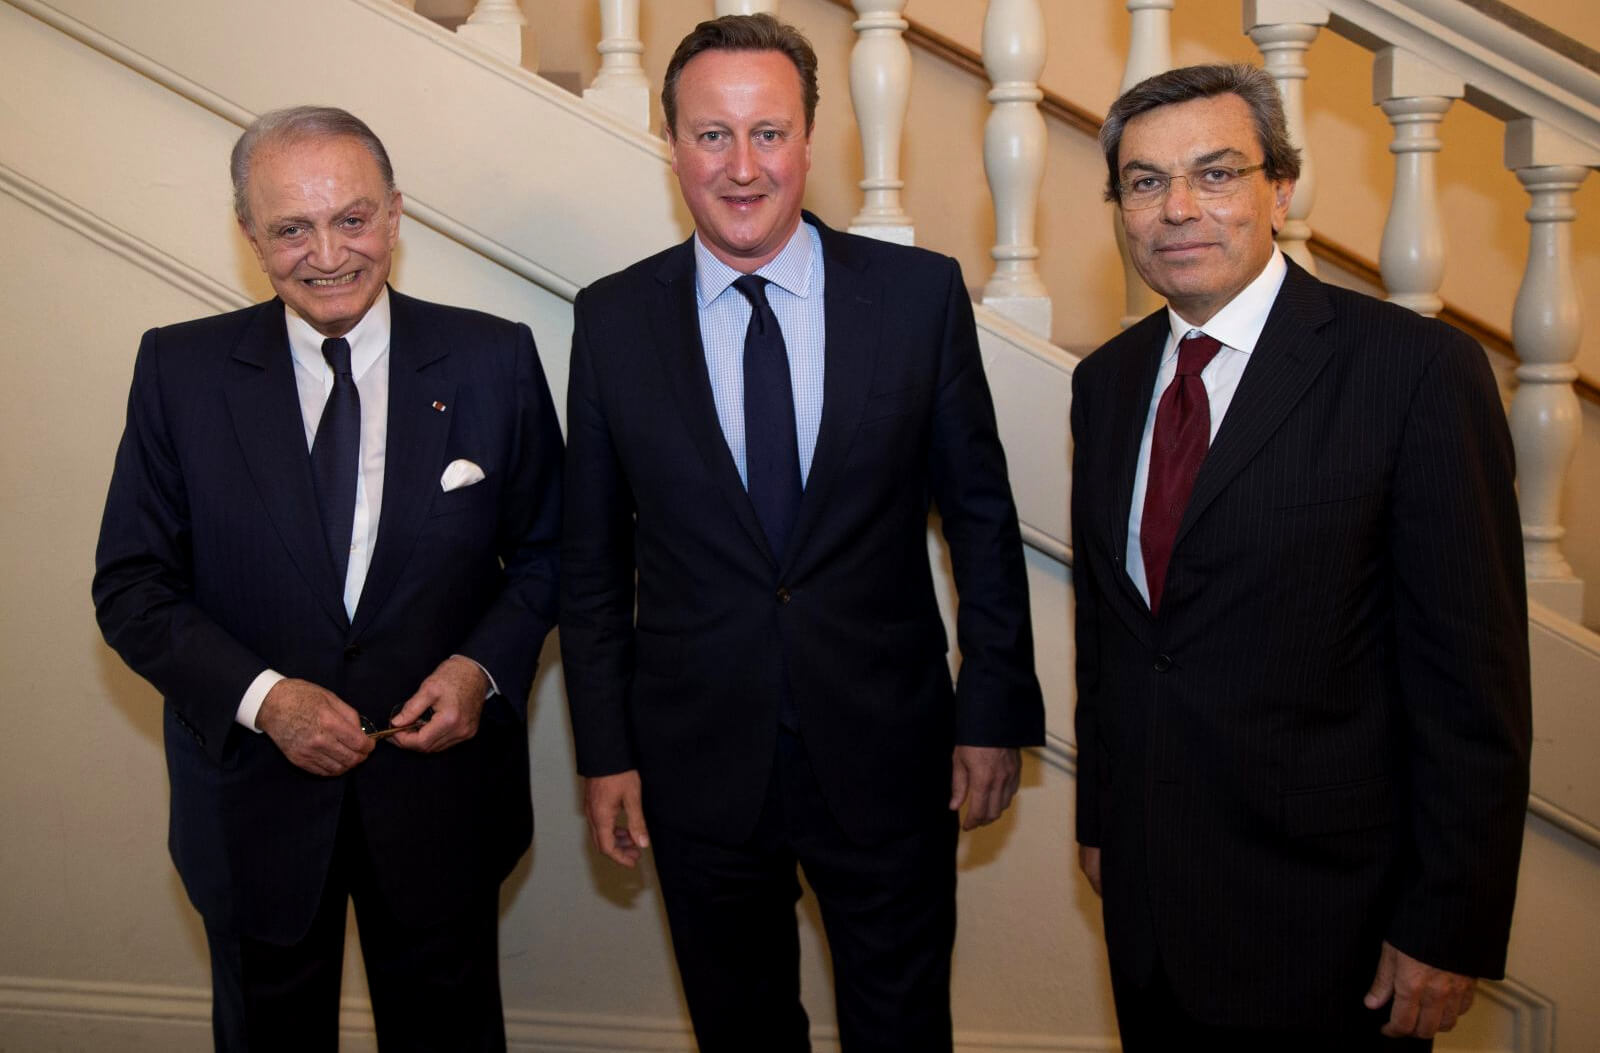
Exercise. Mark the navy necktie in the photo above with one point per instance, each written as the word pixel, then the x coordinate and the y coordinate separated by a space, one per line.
pixel 1180 441
pixel 772 452
pixel 335 454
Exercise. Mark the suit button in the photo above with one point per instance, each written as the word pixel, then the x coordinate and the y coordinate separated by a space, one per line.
pixel 783 595
pixel 1163 663
pixel 353 651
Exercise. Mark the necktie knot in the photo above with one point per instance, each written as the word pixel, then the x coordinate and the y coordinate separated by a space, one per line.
pixel 754 288
pixel 336 351
pixel 1195 352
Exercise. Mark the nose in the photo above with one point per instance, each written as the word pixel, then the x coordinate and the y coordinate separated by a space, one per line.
pixel 742 167
pixel 1179 205
pixel 326 250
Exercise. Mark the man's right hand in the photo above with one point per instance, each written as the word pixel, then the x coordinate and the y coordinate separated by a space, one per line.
pixel 613 804
pixel 1089 863
pixel 313 727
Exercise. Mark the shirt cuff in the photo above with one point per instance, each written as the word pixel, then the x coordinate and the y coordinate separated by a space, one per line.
pixel 254 695
pixel 494 688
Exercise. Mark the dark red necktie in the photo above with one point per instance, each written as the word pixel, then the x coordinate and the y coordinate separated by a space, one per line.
pixel 1182 436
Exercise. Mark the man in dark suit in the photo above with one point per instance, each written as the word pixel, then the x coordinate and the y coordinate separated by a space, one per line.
pixel 1303 701
pixel 330 510
pixel 758 421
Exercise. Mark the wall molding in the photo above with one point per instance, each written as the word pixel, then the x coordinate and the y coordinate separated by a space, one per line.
pixel 31 1007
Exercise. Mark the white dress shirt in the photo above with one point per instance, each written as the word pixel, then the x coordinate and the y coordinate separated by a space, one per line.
pixel 369 364
pixel 1236 327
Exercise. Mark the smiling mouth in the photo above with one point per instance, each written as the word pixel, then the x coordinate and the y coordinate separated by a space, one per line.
pixel 329 283
pixel 742 199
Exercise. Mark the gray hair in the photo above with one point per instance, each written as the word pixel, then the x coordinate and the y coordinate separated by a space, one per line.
pixel 1281 159
pixel 742 33
pixel 298 124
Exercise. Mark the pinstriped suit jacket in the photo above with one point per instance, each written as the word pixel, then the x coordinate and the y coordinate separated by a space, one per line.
pixel 1322 741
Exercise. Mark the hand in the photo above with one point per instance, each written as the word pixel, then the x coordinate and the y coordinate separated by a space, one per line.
pixel 985 777
pixel 1089 863
pixel 1426 1000
pixel 614 805
pixel 455 692
pixel 313 727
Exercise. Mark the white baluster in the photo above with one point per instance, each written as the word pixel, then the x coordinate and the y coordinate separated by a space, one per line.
pixel 1149 53
pixel 746 7
pixel 880 88
pixel 1415 95
pixel 497 26
pixel 1284 30
pixel 409 5
pixel 1013 158
pixel 1546 327
pixel 620 85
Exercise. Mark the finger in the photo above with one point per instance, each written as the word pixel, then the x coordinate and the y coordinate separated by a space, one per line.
pixel 1466 999
pixel 1402 1014
pixel 417 704
pixel 636 830
pixel 1382 981
pixel 958 783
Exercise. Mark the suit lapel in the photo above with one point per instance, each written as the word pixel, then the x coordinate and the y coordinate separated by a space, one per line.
pixel 413 450
pixel 264 403
pixel 853 317
pixel 1288 357
pixel 675 314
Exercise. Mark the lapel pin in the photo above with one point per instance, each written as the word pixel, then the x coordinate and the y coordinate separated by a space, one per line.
pixel 439 406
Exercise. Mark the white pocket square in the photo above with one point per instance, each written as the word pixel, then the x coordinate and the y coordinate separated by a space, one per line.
pixel 458 474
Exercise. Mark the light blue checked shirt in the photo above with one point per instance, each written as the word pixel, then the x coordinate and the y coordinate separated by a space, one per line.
pixel 796 298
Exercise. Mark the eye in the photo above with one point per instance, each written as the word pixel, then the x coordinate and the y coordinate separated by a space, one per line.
pixel 288 231
pixel 769 136
pixel 1217 176
pixel 352 223
pixel 712 138
pixel 1146 184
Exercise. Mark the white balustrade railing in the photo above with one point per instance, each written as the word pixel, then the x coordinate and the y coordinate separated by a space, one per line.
pixel 880 89
pixel 621 86
pixel 1013 159
pixel 498 26
pixel 1414 94
pixel 746 7
pixel 1284 30
pixel 1149 53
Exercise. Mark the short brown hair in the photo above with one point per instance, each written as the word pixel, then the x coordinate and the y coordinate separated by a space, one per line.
pixel 1280 157
pixel 742 33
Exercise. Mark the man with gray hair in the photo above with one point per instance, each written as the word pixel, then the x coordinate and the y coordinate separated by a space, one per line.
pixel 1303 699
pixel 331 543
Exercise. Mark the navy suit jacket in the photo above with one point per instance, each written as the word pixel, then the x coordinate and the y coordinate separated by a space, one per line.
pixel 212 567
pixel 1322 740
pixel 679 627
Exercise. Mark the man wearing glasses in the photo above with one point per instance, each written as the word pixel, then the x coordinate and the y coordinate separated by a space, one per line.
pixel 1303 700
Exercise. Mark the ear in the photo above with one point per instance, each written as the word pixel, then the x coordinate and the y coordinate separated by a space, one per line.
pixel 1282 194
pixel 255 246
pixel 672 151
pixel 396 210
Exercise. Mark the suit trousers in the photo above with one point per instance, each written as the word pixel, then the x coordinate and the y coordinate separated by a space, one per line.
pixel 435 984
pixel 888 910
pixel 1152 1020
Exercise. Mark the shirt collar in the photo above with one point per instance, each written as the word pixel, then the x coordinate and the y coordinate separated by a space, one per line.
pixel 368 340
pixel 1238 325
pixel 789 270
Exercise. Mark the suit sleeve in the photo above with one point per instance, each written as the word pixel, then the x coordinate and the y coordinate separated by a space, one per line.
pixel 507 637
pixel 1461 637
pixel 597 597
pixel 1086 645
pixel 143 582
pixel 998 700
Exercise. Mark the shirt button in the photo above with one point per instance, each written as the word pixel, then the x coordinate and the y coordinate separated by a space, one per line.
pixel 1163 663
pixel 353 651
pixel 783 595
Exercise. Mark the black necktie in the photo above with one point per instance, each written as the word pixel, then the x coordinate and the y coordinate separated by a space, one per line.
pixel 334 456
pixel 772 453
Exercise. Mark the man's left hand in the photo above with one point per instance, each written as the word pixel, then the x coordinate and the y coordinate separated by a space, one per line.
pixel 985 778
pixel 1426 1000
pixel 455 691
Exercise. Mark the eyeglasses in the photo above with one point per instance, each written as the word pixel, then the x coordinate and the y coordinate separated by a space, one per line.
pixel 1210 182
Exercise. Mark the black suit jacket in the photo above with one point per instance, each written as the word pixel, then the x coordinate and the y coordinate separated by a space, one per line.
pixel 212 567
pixel 687 691
pixel 1322 741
